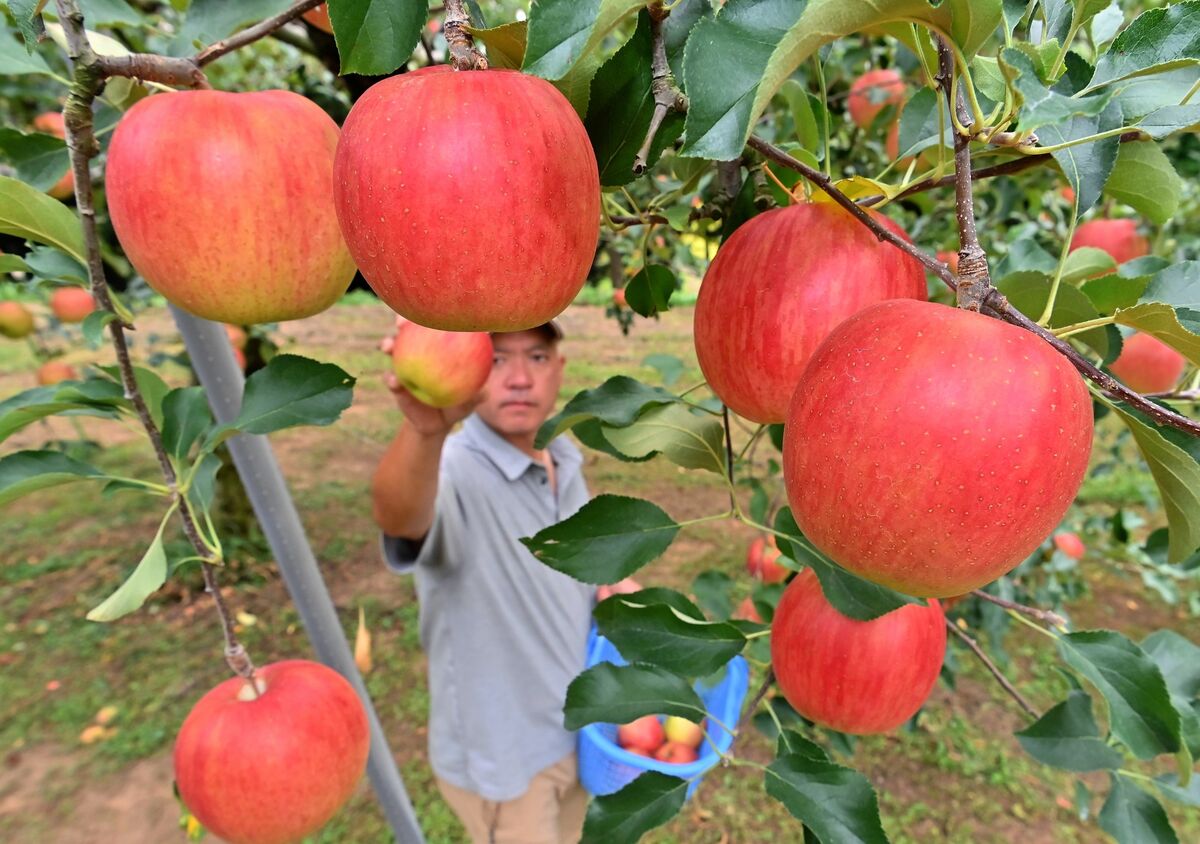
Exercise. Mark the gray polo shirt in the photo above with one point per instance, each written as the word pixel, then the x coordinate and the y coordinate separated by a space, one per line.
pixel 504 634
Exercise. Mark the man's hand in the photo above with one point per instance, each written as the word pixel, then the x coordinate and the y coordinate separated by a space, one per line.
pixel 426 420
pixel 623 587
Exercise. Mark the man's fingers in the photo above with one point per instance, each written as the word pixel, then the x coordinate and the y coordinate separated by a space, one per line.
pixel 387 344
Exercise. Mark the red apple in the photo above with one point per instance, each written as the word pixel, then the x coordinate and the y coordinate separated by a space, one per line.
pixel 619 297
pixel 950 259
pixel 15 320
pixel 637 751
pixel 51 123
pixel 470 199
pixel 953 601
pixel 72 304
pixel 747 611
pixel 761 561
pixel 1148 365
pixel 646 734
pixel 777 287
pixel 1070 544
pixel 237 336
pixel 679 730
pixel 319 17
pixel 1119 238
pixel 441 368
pixel 872 92
pixel 54 371
pixel 1068 193
pixel 224 203
pixel 676 753
pixel 274 768
pixel 854 676
pixel 932 449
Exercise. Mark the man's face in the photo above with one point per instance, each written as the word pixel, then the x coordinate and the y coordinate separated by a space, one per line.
pixel 526 374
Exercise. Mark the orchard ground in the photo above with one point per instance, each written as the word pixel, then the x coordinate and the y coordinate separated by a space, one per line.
pixel 960 777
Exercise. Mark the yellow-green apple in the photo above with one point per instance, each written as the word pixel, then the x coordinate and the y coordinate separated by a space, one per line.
pixel 761 561
pixel 777 287
pixel 1148 365
pixel 51 372
pixel 932 449
pixel 872 92
pixel 1070 544
pixel 676 753
pixel 1119 238
pixel 319 17
pixel 71 304
pixel 645 733
pixel 682 731
pixel 224 203
pixel 441 368
pixel 51 123
pixel 470 199
pixel 272 768
pixel 854 676
pixel 15 320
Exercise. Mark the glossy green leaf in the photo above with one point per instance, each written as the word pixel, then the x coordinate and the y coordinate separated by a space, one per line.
pixel 616 402
pixel 24 472
pixel 686 438
pixel 16 412
pixel 1178 659
pixel 1167 120
pixel 204 481
pixel 607 540
pixel 29 213
pixel 838 804
pixel 617 694
pixel 150 574
pixel 1141 96
pixel 505 44
pixel 1163 321
pixel 1133 816
pixel 919 123
pixel 1029 292
pixel 1088 165
pixel 1041 105
pixel 186 417
pixel 590 433
pixel 1067 737
pixel 1158 39
pixel 649 292
pixel 55 265
pixel 40 159
pixel 564 32
pixel 374 37
pixel 1144 179
pixel 1087 262
pixel 149 384
pixel 651 800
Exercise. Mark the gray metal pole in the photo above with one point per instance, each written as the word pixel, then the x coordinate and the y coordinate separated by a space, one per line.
pixel 212 358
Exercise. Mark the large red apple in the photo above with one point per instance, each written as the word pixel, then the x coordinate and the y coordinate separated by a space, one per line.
pixel 51 123
pixel 441 368
pixel 224 203
pixel 932 449
pixel 55 371
pixel 777 287
pixel 470 199
pixel 71 304
pixel 854 676
pixel 15 320
pixel 1119 238
pixel 871 93
pixel 645 733
pixel 676 753
pixel 762 561
pixel 274 768
pixel 319 17
pixel 1148 365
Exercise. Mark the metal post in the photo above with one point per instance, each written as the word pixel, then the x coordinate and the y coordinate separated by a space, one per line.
pixel 212 358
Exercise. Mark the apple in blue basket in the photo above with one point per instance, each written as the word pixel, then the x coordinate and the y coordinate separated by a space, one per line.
pixel 682 731
pixel 676 753
pixel 646 734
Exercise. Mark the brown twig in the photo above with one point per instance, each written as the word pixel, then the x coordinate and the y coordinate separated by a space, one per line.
pixel 991 666
pixel 463 54
pixel 250 34
pixel 1045 616
pixel 667 97
pixel 748 712
pixel 82 146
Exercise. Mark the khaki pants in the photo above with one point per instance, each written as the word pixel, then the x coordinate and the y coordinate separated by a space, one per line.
pixel 551 811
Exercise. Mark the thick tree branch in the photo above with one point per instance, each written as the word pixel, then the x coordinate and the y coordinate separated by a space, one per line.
pixel 667 97
pixel 463 54
pixel 991 666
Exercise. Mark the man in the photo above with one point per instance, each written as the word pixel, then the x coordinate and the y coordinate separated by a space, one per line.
pixel 504 634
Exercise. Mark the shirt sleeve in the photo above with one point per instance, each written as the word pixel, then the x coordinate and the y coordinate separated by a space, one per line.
pixel 403 556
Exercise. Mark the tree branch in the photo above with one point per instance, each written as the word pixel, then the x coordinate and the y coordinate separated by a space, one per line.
pixel 463 54
pixel 261 29
pixel 667 97
pixel 991 666
pixel 1044 616
pixel 767 682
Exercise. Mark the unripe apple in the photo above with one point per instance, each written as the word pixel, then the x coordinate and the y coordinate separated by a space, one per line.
pixel 55 371
pixel 274 768
pixel 71 304
pixel 15 320
pixel 777 287
pixel 1148 365
pixel 676 753
pixel 1119 238
pixel 761 561
pixel 646 733
pixel 872 92
pixel 470 199
pixel 441 368
pixel 319 17
pixel 224 203
pixel 51 123
pixel 932 449
pixel 1070 544
pixel 682 731
pixel 857 677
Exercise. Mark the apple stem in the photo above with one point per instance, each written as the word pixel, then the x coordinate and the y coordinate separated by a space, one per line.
pixel 463 53
pixel 667 96
pixel 991 666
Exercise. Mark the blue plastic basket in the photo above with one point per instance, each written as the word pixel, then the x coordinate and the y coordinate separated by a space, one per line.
pixel 605 767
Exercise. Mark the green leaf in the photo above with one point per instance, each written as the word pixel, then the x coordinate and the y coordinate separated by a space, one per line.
pixel 53 264
pixel 31 405
pixel 204 481
pixel 1144 179
pixel 1110 293
pixel 607 540
pixel 1141 96
pixel 1132 816
pixel 505 44
pixel 1086 262
pixel 93 327
pixel 650 627
pixel 1067 737
pixel 1040 105
pixel 616 402
pixel 1086 166
pixel 24 472
pixel 29 213
pixel 212 20
pixel 688 439
pixel 712 589
pixel 617 694
pixel 1014 11
pixel 41 159
pixel 1163 321
pixel 1158 39
pixel 735 61
pixel 146 579
pixel 590 432
pixel 836 803
pixel 804 116
pixel 1178 659
pixel 668 366
pixel 149 384
pixel 100 12
pixel 1140 712
pixel 1169 785
pixel 1168 120
pixel 619 111
pixel 649 801
pixel 1029 293
pixel 374 37
pixel 919 124
pixel 289 391
pixel 649 292
pixel 564 32
pixel 28 18
pixel 185 418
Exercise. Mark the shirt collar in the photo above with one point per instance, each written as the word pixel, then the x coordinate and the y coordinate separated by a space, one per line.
pixel 510 460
